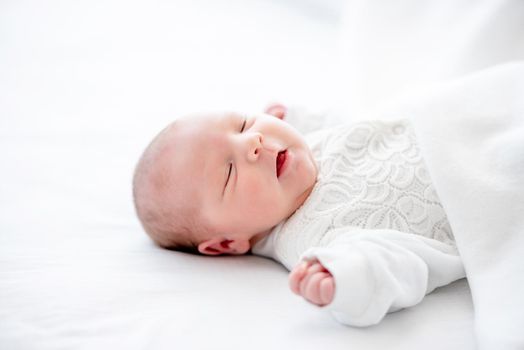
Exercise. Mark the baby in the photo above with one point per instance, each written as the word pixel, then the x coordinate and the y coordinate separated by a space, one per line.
pixel 350 211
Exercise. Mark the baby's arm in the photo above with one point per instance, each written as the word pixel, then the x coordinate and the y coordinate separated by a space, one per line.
pixel 311 280
pixel 375 272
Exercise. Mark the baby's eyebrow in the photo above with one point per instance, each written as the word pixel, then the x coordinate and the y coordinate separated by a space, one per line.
pixel 232 118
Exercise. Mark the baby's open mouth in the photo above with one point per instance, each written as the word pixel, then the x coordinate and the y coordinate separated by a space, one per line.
pixel 281 159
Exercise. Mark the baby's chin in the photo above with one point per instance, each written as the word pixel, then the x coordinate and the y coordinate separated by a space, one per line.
pixel 259 236
pixel 303 197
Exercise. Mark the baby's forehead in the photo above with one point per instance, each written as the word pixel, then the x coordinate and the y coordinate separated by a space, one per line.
pixel 175 172
pixel 188 145
pixel 196 132
pixel 205 120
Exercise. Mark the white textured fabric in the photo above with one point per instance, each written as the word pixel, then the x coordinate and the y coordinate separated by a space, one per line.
pixel 373 187
pixel 471 133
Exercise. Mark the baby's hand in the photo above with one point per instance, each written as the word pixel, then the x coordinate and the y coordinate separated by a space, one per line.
pixel 311 280
pixel 276 109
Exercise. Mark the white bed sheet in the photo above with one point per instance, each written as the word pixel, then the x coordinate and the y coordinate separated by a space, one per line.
pixel 83 86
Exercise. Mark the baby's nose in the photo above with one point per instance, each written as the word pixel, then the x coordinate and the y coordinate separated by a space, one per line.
pixel 255 145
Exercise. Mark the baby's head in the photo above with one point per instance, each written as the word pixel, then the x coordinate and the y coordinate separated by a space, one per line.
pixel 217 183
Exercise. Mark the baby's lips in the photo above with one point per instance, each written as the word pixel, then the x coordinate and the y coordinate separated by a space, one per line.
pixel 280 162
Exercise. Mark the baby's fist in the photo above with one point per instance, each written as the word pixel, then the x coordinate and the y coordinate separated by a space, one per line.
pixel 311 280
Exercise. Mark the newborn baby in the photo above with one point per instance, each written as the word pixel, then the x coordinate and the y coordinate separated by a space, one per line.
pixel 350 211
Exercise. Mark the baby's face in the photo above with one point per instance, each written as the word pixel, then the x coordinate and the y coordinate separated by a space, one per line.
pixel 250 171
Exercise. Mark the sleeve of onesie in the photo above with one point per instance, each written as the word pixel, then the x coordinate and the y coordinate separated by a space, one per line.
pixel 380 271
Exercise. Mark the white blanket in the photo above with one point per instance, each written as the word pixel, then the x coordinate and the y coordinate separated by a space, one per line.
pixel 472 135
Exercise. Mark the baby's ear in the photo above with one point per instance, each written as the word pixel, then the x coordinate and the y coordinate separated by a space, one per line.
pixel 220 246
pixel 276 109
pixel 216 246
pixel 211 247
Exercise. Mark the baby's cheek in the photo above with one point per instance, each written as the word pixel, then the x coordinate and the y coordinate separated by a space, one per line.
pixel 259 197
pixel 257 188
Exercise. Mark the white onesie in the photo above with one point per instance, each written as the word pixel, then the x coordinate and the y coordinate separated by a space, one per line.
pixel 373 220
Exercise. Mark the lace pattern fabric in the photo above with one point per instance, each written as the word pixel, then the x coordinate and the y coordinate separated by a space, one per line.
pixel 371 176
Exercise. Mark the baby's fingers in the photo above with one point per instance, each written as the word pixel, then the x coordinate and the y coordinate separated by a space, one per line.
pixel 296 276
pixel 313 268
pixel 276 109
pixel 327 290
pixel 320 289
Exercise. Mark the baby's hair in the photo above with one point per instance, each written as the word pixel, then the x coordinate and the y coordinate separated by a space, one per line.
pixel 169 225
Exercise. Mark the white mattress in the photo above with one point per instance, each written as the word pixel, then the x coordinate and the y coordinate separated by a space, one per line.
pixel 83 87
